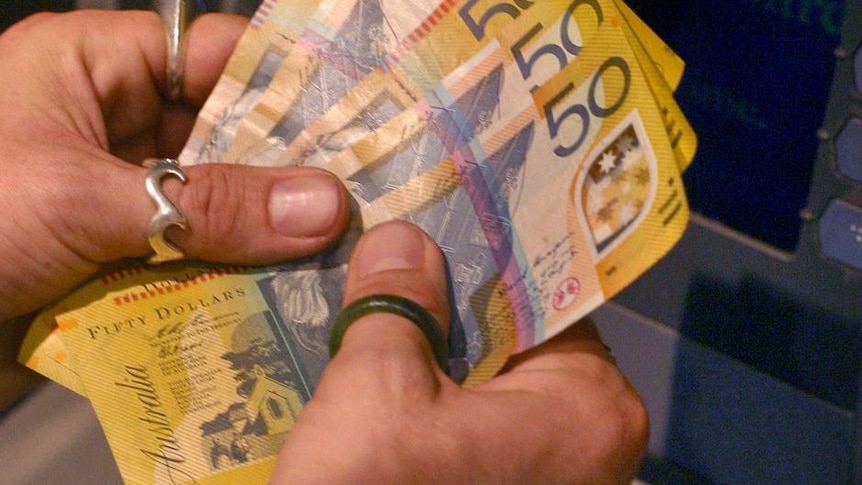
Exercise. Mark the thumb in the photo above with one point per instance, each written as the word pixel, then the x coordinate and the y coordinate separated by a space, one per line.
pixel 235 214
pixel 394 258
pixel 70 218
pixel 383 373
pixel 253 215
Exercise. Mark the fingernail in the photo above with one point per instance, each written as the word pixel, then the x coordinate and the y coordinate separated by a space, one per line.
pixel 390 246
pixel 304 206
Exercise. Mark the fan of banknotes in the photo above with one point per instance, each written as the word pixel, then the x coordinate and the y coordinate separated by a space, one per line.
pixel 538 142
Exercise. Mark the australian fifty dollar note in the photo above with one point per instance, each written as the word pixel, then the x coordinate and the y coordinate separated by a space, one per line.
pixel 179 361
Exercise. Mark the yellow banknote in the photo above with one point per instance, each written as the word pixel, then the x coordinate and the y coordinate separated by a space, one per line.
pixel 444 40
pixel 376 150
pixel 482 65
pixel 592 136
pixel 404 169
pixel 603 147
pixel 551 47
pixel 43 349
pixel 357 132
pixel 668 63
pixel 44 352
pixel 681 133
pixel 394 172
pixel 199 385
pixel 537 143
pixel 260 51
pixel 359 118
pixel 370 104
pixel 343 41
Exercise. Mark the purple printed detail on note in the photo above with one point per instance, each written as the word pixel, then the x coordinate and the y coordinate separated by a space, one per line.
pixel 447 123
pixel 504 173
pixel 345 54
pixel 356 48
pixel 468 115
pixel 488 180
pixel 497 226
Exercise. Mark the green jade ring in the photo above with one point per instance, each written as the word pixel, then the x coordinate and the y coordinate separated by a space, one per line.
pixel 399 306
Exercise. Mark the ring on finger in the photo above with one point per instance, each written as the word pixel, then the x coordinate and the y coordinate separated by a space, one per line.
pixel 167 214
pixel 398 305
pixel 175 16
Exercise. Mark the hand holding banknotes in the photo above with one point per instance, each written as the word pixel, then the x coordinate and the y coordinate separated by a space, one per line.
pixel 83 96
pixel 384 412
pixel 85 103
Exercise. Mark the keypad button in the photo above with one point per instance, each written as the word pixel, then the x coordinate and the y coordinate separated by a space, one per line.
pixel 840 230
pixel 848 147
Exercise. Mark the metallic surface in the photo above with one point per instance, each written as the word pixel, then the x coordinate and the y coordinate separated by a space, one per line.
pixel 167 214
pixel 176 17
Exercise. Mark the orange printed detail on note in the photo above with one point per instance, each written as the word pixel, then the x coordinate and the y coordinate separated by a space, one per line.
pixel 67 324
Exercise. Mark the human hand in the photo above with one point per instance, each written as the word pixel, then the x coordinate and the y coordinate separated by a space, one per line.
pixel 83 98
pixel 384 412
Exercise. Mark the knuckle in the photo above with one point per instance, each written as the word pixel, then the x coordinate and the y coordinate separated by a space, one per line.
pixel 213 203
pixel 620 416
pixel 633 423
pixel 627 429
pixel 638 418
pixel 640 430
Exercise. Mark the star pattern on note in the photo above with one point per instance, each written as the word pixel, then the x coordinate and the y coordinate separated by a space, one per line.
pixel 642 176
pixel 616 187
pixel 605 213
pixel 596 196
pixel 608 162
pixel 625 143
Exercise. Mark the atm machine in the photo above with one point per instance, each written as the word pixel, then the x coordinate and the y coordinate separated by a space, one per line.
pixel 744 341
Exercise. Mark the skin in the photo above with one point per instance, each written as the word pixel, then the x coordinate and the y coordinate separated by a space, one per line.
pixel 83 98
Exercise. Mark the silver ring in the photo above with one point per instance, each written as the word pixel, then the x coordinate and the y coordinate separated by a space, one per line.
pixel 175 15
pixel 167 214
